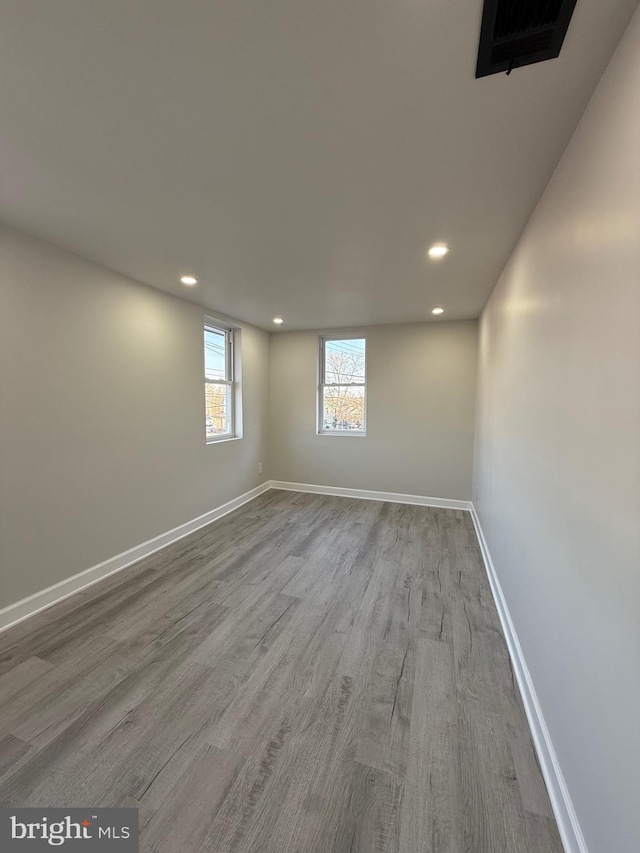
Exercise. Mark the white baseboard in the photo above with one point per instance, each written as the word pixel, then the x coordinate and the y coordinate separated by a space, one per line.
pixel 28 607
pixel 367 495
pixel 568 825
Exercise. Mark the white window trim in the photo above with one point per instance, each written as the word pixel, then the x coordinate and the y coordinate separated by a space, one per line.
pixel 228 331
pixel 320 430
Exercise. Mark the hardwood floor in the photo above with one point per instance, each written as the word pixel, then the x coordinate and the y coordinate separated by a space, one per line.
pixel 310 673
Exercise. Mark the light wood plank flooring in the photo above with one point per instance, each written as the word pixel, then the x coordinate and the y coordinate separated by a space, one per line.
pixel 309 674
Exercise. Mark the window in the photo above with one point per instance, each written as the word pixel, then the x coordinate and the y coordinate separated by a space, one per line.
pixel 219 384
pixel 342 387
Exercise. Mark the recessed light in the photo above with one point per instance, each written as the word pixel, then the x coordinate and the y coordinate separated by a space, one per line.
pixel 278 321
pixel 438 251
pixel 437 311
pixel 189 280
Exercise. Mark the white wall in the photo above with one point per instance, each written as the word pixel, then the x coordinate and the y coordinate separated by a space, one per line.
pixel 558 454
pixel 102 442
pixel 420 411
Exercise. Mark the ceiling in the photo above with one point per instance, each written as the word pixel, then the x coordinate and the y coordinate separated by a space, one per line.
pixel 297 157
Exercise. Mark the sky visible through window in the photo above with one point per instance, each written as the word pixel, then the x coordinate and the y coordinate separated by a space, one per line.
pixel 214 354
pixel 344 361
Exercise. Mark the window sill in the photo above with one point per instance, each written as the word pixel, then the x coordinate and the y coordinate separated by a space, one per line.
pixel 223 439
pixel 347 433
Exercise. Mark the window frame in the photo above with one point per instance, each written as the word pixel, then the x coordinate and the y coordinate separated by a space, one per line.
pixel 213 325
pixel 323 339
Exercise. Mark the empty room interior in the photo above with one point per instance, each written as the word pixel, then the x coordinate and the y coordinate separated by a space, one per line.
pixel 320 426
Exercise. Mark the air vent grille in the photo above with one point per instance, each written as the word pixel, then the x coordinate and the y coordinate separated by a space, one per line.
pixel 520 32
pixel 520 17
pixel 520 48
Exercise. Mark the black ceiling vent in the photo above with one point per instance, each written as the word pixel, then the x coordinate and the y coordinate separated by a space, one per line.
pixel 520 32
